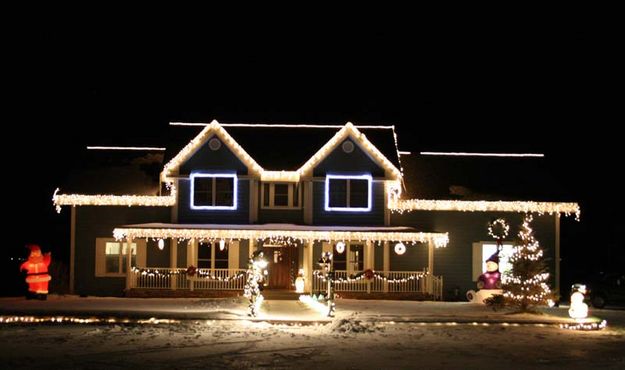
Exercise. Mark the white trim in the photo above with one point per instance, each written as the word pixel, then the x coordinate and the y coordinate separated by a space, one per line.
pixel 100 255
pixel 292 187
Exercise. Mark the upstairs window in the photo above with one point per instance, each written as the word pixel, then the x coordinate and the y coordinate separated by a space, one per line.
pixel 348 193
pixel 281 195
pixel 213 191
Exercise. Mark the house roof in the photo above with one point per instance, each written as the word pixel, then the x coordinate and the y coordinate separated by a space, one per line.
pixel 481 178
pixel 297 143
pixel 116 173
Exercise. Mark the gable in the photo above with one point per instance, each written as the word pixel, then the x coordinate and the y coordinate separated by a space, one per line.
pixel 342 161
pixel 211 159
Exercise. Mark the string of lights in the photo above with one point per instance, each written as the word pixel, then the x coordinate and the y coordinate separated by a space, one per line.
pixel 407 205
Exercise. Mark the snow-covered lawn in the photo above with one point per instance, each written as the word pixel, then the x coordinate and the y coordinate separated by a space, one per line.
pixel 346 343
pixel 364 335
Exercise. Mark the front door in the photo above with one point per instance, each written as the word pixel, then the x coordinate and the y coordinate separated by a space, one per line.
pixel 282 261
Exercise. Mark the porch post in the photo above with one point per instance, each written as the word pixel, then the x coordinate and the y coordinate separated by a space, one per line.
pixel 173 261
pixel 308 266
pixel 128 262
pixel 386 263
pixel 252 247
pixel 370 256
pixel 430 275
pixel 557 252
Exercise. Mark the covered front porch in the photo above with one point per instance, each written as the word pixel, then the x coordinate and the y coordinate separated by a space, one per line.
pixel 367 260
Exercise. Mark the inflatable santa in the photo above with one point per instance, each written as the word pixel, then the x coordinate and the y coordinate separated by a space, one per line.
pixel 37 275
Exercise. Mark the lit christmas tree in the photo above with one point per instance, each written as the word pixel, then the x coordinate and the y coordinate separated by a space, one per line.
pixel 525 285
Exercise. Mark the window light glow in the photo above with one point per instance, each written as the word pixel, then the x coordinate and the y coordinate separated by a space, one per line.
pixel 407 205
pixel 348 177
pixel 214 175
pixel 468 154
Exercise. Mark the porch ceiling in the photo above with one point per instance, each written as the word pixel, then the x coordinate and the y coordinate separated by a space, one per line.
pixel 286 232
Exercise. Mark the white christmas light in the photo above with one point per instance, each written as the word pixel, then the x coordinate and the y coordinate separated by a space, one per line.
pixel 114 200
pixel 466 154
pixel 235 194
pixel 340 247
pixel 135 148
pixel 161 244
pixel 288 236
pixel 400 248
pixel 348 177
pixel 222 245
pixel 407 205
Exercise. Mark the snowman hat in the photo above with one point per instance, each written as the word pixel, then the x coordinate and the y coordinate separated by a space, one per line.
pixel 33 247
pixel 494 258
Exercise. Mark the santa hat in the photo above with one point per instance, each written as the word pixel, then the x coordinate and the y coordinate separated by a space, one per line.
pixel 33 247
pixel 494 258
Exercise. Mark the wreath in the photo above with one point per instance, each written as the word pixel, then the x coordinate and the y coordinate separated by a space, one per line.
pixel 191 270
pixel 498 229
pixel 368 274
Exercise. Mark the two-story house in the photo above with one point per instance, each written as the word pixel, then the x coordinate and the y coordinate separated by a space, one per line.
pixel 236 188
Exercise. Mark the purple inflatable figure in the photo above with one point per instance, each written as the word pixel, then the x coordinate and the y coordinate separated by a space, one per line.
pixel 491 279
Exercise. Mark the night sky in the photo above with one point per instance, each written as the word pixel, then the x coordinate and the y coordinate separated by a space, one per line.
pixel 516 88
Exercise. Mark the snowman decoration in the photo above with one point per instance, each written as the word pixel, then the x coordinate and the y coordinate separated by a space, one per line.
pixel 489 283
pixel 578 309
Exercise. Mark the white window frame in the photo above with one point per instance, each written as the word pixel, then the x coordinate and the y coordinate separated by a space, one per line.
pixel 100 256
pixel 367 177
pixel 214 176
pixel 294 191
pixel 480 256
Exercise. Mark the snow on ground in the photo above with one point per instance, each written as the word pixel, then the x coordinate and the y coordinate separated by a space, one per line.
pixel 364 335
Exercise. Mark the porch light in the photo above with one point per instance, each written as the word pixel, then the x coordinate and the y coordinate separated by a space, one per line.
pixel 222 245
pixel 161 244
pixel 340 247
pixel 400 248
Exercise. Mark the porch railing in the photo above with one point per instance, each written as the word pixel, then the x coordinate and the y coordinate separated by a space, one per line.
pixel 395 282
pixel 177 278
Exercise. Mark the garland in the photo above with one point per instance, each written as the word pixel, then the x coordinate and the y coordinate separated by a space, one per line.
pixel 191 271
pixel 369 274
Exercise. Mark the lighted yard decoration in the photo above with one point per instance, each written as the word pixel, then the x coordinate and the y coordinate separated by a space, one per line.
pixel 325 262
pixel 37 276
pixel 488 283
pixel 525 285
pixel 299 282
pixel 255 274
pixel 578 309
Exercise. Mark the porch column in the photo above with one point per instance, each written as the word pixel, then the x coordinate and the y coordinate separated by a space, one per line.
pixel 173 261
pixel 308 266
pixel 370 256
pixel 557 252
pixel 386 263
pixel 252 247
pixel 129 274
pixel 429 281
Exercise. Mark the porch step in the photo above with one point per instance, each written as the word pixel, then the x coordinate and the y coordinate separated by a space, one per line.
pixel 280 295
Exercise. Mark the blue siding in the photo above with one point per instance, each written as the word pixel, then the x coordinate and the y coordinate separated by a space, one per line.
pixel 237 216
pixel 356 162
pixel 99 222
pixel 455 262
pixel 208 160
pixel 373 217
pixel 289 216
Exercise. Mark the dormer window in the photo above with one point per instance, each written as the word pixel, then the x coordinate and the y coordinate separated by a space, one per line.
pixel 348 193
pixel 213 191
pixel 281 195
